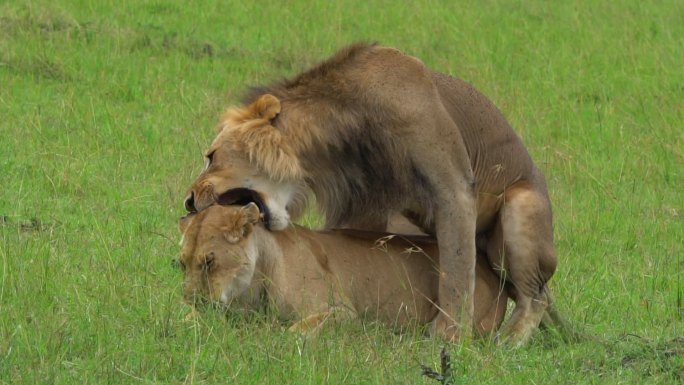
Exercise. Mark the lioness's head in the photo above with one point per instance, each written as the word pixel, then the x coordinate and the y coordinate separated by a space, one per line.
pixel 217 257
pixel 247 162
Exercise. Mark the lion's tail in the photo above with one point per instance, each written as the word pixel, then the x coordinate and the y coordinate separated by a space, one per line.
pixel 554 321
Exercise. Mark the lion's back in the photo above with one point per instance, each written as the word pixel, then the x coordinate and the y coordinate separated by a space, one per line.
pixel 497 154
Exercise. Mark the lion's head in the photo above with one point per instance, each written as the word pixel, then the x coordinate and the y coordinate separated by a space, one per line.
pixel 249 162
pixel 217 257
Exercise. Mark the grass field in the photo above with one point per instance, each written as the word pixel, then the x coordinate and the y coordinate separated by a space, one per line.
pixel 105 108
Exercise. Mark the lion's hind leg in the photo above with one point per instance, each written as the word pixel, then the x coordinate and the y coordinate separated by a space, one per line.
pixel 521 247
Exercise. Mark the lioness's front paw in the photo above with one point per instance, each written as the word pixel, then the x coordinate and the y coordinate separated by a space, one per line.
pixel 192 316
pixel 311 324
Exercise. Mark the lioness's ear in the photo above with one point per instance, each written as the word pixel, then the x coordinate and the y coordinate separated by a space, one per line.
pixel 251 212
pixel 266 107
pixel 242 223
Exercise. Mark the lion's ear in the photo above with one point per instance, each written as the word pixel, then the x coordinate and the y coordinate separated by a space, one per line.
pixel 264 144
pixel 266 107
pixel 269 149
pixel 251 212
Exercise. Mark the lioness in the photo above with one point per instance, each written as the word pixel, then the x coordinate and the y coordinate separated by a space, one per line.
pixel 373 132
pixel 229 257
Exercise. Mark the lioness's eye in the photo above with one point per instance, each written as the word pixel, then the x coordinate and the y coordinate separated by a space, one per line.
pixel 208 262
pixel 179 264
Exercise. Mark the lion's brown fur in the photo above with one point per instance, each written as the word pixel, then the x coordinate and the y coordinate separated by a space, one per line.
pixel 371 132
pixel 250 131
pixel 358 168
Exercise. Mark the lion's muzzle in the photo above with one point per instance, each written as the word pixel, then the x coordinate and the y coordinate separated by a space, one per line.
pixel 190 203
pixel 200 198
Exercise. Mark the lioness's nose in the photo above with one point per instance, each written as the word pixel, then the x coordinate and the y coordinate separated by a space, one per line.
pixel 190 202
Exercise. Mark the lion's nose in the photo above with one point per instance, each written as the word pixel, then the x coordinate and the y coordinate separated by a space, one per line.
pixel 190 202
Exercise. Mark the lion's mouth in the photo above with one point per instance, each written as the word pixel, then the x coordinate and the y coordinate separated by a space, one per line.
pixel 243 196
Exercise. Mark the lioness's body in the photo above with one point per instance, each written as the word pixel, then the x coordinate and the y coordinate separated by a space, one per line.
pixel 371 132
pixel 308 274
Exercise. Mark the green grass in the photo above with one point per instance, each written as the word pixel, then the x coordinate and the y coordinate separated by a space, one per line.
pixel 105 108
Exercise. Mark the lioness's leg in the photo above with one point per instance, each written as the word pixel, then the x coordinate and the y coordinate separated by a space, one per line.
pixel 313 323
pixel 521 246
pixel 491 298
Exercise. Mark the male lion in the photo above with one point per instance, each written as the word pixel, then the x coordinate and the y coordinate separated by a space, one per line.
pixel 373 132
pixel 229 258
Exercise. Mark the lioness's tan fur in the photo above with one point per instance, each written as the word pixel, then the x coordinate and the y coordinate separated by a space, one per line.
pixel 371 132
pixel 309 275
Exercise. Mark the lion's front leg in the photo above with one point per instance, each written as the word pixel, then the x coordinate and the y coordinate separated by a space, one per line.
pixel 440 157
pixel 455 224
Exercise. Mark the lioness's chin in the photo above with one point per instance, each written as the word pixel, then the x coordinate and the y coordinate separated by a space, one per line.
pixel 225 298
